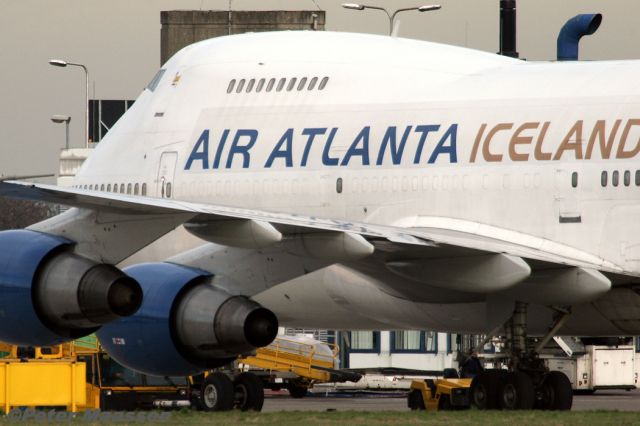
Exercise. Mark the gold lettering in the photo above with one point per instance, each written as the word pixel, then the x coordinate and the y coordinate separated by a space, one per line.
pixel 571 142
pixel 516 139
pixel 623 140
pixel 488 156
pixel 538 154
pixel 600 132
pixel 476 144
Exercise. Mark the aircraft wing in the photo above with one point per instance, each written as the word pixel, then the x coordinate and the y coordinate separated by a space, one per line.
pixel 414 237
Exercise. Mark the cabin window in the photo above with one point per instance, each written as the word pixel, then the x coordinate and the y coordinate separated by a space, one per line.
pixel 136 189
pixel 128 188
pixel 281 84
pixel 168 192
pixel 155 80
pixel 323 83
pixel 109 188
pixel 260 85
pixel 122 188
pixel 272 82
pixel 627 178
pixel 339 186
pixel 292 84
pixel 231 84
pixel 637 177
pixel 303 82
pixel 615 178
pixel 603 178
pixel 574 179
pixel 144 189
pixel 252 82
pixel 240 86
pixel 312 83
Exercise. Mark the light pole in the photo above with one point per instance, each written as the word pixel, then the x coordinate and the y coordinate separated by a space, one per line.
pixel 63 119
pixel 391 16
pixel 61 63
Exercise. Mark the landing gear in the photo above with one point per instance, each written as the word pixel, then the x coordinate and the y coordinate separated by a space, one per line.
pixel 528 383
pixel 555 393
pixel 249 392
pixel 217 393
pixel 220 393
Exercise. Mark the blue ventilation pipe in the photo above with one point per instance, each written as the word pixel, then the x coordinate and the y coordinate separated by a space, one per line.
pixel 572 32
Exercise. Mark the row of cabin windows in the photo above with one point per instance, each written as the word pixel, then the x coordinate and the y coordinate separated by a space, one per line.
pixel 615 178
pixel 282 84
pixel 135 189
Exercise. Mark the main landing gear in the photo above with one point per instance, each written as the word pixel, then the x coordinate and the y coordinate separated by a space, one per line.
pixel 221 392
pixel 528 383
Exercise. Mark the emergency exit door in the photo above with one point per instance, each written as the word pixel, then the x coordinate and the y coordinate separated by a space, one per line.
pixel 166 175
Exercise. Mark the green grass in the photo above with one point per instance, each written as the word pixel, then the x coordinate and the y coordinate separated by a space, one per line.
pixel 371 418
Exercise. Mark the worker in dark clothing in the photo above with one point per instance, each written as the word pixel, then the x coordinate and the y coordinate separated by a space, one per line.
pixel 471 367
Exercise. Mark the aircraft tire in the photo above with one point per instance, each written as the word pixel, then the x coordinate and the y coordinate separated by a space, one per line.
pixel 555 393
pixel 217 393
pixel 249 392
pixel 516 392
pixel 562 388
pixel 484 389
pixel 415 401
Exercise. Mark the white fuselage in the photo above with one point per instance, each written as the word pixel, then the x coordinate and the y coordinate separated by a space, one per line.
pixel 404 133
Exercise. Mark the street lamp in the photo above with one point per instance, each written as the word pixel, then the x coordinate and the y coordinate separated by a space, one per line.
pixel 63 119
pixel 392 17
pixel 61 63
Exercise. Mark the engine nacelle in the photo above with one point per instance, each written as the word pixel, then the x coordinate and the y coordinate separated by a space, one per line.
pixel 185 325
pixel 49 295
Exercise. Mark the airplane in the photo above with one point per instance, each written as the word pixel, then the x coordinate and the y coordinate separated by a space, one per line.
pixel 344 181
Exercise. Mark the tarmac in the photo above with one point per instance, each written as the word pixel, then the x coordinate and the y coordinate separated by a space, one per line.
pixel 600 400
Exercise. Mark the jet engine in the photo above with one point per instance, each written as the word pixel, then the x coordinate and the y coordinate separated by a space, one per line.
pixel 185 324
pixel 49 295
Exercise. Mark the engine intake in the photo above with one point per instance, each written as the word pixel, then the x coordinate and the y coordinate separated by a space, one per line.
pixel 185 323
pixel 54 294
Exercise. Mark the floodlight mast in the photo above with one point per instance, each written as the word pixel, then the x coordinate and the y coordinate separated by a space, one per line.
pixel 391 16
pixel 61 63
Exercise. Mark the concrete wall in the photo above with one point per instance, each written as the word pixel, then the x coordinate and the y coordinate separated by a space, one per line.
pixel 183 27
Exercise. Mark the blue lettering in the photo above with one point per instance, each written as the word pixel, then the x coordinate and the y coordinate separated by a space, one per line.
pixel 395 151
pixel 362 151
pixel 425 130
pixel 196 154
pixel 326 160
pixel 286 140
pixel 252 134
pixel 311 133
pixel 441 148
pixel 223 139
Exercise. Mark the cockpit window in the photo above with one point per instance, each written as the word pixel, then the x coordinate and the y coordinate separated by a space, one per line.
pixel 156 79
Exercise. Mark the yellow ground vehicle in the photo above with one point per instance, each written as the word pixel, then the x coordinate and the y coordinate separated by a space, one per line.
pixel 111 386
pixel 440 394
pixel 78 376
pixel 293 363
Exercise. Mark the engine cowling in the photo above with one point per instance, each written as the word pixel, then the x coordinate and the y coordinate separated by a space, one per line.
pixel 50 295
pixel 185 325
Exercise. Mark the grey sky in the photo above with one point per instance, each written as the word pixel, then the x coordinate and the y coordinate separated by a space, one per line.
pixel 119 41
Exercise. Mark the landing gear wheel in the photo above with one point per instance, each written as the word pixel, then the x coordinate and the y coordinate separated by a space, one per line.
pixel 415 401
pixel 484 389
pixel 516 392
pixel 217 393
pixel 249 392
pixel 555 393
pixel 296 390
